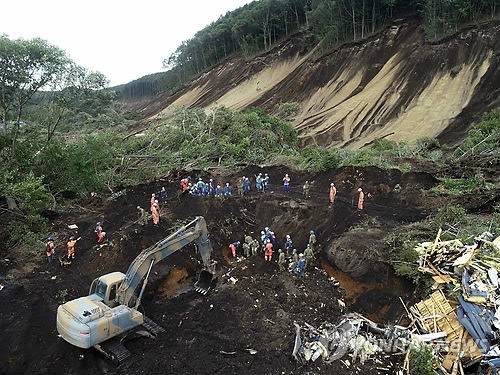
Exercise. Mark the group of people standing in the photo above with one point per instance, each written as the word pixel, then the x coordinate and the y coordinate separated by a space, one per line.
pixel 50 248
pixel 262 184
pixel 297 263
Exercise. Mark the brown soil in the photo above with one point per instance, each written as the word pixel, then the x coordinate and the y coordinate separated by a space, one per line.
pixel 393 84
pixel 256 312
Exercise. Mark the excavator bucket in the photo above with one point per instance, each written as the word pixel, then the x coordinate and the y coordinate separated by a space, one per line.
pixel 205 281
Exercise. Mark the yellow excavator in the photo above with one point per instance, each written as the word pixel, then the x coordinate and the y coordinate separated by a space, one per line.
pixel 110 311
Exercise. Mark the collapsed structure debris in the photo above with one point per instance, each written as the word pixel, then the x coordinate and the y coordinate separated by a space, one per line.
pixel 470 316
pixel 354 334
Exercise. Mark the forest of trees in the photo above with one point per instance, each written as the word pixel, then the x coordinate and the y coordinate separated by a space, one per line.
pixel 256 26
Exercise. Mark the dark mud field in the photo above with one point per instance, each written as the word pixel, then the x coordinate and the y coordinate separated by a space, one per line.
pixel 257 312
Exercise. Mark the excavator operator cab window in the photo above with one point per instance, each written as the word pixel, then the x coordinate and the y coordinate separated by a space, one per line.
pixel 112 292
pixel 99 288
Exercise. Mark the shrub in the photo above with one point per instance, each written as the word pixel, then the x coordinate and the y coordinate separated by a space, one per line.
pixel 451 215
pixel 421 360
pixel 485 136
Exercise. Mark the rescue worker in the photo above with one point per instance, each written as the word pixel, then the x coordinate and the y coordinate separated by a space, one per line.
pixel 156 214
pixel 211 187
pixel 71 247
pixel 163 194
pixel 301 265
pixel 185 183
pixel 295 259
pixel 218 192
pixel 246 185
pixel 333 192
pixel 233 247
pixel 281 260
pixel 152 202
pixel 288 245
pixel 246 249
pixel 258 183
pixel 193 188
pixel 263 237
pixel 98 231
pixel 255 247
pixel 361 199
pixel 268 255
pixel 248 239
pixel 50 249
pixel 205 190
pixel 143 216
pixel 265 181
pixel 272 237
pixel 309 256
pixel 397 188
pixel 239 186
pixel 312 239
pixel 227 190
pixel 200 186
pixel 306 189
pixel 286 182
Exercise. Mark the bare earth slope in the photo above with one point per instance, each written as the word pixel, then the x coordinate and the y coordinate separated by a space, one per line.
pixel 393 84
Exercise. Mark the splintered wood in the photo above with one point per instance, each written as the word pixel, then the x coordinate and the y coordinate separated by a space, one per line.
pixel 436 314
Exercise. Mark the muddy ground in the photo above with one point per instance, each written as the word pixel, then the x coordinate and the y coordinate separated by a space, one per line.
pixel 257 312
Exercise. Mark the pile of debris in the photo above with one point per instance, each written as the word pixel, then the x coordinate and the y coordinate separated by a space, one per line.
pixel 470 324
pixel 354 335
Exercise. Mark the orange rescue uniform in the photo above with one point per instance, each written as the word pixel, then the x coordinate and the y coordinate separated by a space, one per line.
pixel 71 248
pixel 152 202
pixel 361 200
pixel 99 233
pixel 50 249
pixel 269 251
pixel 333 192
pixel 156 214
pixel 233 250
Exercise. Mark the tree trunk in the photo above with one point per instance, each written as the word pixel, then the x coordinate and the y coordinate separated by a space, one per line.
pixel 353 8
pixel 16 132
pixel 373 17
pixel 363 21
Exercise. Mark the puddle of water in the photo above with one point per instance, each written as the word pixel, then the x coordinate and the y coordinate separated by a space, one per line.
pixel 176 280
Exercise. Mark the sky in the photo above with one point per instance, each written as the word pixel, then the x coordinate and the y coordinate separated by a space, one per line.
pixel 123 39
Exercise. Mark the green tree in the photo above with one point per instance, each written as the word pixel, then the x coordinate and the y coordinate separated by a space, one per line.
pixel 28 66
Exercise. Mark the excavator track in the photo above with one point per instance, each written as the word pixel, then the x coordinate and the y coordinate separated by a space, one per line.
pixel 152 327
pixel 114 350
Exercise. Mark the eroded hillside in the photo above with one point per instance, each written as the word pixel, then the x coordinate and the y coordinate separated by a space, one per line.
pixel 394 84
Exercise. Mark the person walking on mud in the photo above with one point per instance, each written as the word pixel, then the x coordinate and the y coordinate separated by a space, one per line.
pixel 288 245
pixel 71 247
pixel 268 255
pixel 281 261
pixel 152 202
pixel 286 183
pixel 312 239
pixel 233 247
pixel 143 216
pixel 239 186
pixel 361 199
pixel 50 249
pixel 156 214
pixel 308 256
pixel 163 195
pixel 306 189
pixel 246 249
pixel 333 193
pixel 99 232
pixel 255 247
